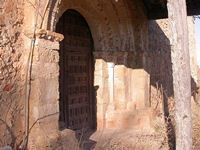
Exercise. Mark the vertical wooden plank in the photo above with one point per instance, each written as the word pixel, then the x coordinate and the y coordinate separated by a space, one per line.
pixel 181 72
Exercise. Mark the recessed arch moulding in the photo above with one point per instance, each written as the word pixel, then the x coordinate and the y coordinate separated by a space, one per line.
pixel 113 24
pixel 109 22
pixel 119 31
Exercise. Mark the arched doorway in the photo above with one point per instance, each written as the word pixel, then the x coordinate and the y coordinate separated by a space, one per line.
pixel 77 102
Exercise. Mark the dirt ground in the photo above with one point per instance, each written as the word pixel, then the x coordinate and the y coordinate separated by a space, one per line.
pixel 124 140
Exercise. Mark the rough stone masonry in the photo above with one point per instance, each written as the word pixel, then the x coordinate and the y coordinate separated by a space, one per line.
pixel 132 68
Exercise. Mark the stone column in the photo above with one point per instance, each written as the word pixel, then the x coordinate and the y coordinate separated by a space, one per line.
pixel 111 105
pixel 140 81
pixel 110 111
pixel 102 95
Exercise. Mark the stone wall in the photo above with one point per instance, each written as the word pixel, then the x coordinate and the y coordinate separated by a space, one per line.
pixel 44 99
pixel 159 66
pixel 119 30
pixel 132 58
pixel 123 93
pixel 158 60
pixel 11 76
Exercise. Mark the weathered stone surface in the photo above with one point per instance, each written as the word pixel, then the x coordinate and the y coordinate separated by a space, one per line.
pixel 11 84
pixel 132 68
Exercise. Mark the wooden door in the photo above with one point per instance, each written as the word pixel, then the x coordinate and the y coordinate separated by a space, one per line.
pixel 76 71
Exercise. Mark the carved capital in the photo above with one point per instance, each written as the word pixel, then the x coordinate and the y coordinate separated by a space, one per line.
pixel 45 34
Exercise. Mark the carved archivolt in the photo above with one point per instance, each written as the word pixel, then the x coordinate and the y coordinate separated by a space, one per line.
pixel 111 22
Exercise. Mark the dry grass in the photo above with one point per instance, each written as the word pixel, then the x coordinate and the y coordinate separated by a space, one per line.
pixel 196 126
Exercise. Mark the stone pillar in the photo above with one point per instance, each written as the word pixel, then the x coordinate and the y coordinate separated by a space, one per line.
pixel 110 111
pixel 44 99
pixel 102 95
pixel 140 82
pixel 111 65
pixel 121 87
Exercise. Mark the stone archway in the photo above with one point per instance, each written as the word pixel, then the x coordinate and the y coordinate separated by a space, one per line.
pixel 77 102
pixel 118 36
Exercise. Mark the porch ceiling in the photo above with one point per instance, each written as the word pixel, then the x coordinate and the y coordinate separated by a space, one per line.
pixel 157 9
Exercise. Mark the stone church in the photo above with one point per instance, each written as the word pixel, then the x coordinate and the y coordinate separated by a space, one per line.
pixel 83 65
